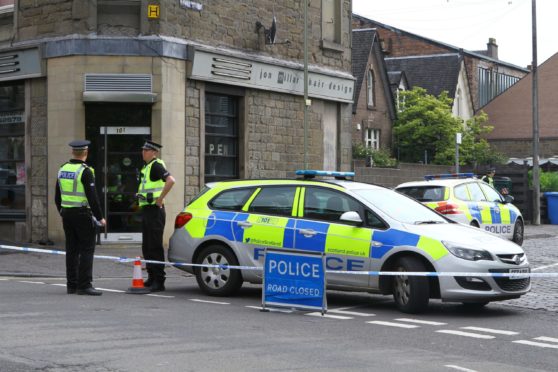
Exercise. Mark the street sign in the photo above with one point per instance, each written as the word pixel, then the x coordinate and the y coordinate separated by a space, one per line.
pixel 294 279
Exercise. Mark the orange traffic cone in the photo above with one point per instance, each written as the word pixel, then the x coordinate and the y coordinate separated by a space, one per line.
pixel 137 280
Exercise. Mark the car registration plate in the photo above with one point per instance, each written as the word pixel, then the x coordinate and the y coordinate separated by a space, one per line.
pixel 519 273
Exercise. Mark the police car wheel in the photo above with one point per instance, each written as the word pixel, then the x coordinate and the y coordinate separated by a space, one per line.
pixel 474 223
pixel 518 232
pixel 218 281
pixel 411 293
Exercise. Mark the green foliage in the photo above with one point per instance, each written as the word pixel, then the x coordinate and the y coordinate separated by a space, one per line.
pixel 548 181
pixel 426 124
pixel 380 158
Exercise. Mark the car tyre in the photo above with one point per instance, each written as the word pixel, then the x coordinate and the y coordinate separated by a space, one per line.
pixel 411 293
pixel 518 230
pixel 218 281
pixel 475 224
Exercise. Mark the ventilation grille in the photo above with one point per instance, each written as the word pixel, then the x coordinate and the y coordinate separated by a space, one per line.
pixel 118 83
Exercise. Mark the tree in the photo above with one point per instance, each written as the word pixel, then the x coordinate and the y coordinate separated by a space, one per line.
pixel 425 125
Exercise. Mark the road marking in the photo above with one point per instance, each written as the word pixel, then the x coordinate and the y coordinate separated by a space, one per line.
pixel 465 334
pixel 342 311
pixel 340 317
pixel 59 285
pixel 544 267
pixel 271 309
pixel 210 302
pixel 459 368
pixel 391 324
pixel 490 330
pixel 2 279
pixel 158 295
pixel 31 282
pixel 544 338
pixel 110 290
pixel 427 322
pixel 539 344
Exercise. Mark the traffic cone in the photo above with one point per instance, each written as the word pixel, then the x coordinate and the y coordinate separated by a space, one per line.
pixel 137 280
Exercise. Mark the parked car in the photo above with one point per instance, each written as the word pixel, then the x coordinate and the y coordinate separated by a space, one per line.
pixel 468 200
pixel 359 227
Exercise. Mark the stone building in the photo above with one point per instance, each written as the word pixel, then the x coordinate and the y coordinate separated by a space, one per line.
pixel 206 79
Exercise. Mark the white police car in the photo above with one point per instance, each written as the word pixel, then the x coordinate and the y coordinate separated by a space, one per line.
pixel 468 200
pixel 360 227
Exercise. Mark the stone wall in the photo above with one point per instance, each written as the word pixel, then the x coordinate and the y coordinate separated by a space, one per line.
pixel 406 172
pixel 523 148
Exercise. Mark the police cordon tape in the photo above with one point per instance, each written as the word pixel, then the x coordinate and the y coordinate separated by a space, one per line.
pixel 370 273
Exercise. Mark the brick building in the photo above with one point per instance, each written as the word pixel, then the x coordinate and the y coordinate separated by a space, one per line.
pixel 511 115
pixel 192 75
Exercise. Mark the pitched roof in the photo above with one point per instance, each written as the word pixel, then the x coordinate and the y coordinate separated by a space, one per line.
pixel 435 73
pixel 363 40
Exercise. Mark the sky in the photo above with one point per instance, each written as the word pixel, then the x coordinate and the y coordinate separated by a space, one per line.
pixel 468 24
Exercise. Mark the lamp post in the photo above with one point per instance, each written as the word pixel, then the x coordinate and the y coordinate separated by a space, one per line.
pixel 536 178
pixel 305 84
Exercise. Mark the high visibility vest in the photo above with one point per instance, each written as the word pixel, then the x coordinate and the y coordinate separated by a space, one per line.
pixel 488 180
pixel 72 191
pixel 146 186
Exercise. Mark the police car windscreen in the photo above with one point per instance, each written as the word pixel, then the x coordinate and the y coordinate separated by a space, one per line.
pixel 399 207
pixel 424 193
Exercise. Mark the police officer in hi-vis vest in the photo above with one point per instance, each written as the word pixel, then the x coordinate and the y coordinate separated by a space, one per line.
pixel 78 204
pixel 155 183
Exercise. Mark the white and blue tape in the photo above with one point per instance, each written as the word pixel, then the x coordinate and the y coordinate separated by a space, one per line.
pixel 371 273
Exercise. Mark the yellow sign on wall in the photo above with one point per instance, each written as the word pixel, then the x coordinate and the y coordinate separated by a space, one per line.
pixel 152 11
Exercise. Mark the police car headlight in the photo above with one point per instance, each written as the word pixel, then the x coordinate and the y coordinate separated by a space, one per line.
pixel 467 253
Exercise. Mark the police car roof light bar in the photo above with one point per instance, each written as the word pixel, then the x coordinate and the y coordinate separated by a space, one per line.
pixel 448 176
pixel 309 173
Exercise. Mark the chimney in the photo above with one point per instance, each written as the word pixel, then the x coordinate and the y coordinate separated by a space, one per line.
pixel 492 48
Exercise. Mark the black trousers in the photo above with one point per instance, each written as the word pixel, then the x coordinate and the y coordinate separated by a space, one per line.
pixel 79 229
pixel 153 225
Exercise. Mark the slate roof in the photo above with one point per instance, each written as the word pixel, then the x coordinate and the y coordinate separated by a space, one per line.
pixel 362 46
pixel 435 73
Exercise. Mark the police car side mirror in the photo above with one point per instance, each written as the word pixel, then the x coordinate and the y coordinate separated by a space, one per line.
pixel 508 199
pixel 351 217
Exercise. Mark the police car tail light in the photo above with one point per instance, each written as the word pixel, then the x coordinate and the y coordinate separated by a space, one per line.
pixel 448 208
pixel 182 219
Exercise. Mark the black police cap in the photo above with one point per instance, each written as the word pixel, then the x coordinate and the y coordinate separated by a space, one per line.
pixel 150 145
pixel 80 144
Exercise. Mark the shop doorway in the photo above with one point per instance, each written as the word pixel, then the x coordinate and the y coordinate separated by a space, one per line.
pixel 115 154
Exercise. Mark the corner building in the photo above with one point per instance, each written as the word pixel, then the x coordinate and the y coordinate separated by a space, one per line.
pixel 199 77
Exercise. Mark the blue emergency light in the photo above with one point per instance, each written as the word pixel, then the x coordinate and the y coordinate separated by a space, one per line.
pixel 309 173
pixel 448 176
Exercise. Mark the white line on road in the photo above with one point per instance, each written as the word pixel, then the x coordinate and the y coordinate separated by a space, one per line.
pixel 110 290
pixel 465 334
pixel 459 368
pixel 544 338
pixel 340 317
pixel 539 344
pixel 271 309
pixel 391 324
pixel 31 282
pixel 344 312
pixel 427 322
pixel 490 330
pixel 158 295
pixel 544 267
pixel 210 302
pixel 59 285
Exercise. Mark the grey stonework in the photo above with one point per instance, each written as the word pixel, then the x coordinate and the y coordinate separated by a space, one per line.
pixel 523 148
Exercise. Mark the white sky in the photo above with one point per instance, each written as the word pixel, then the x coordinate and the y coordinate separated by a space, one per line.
pixel 468 24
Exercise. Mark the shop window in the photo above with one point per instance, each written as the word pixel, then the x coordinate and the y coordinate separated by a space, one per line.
pixel 221 137
pixel 372 138
pixel 12 150
pixel 120 17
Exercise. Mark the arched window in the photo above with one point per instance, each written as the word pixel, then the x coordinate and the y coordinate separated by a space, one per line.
pixel 370 88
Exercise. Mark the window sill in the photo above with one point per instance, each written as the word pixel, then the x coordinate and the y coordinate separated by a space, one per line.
pixel 373 108
pixel 331 46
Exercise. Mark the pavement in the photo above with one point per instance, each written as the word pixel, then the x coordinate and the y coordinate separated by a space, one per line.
pixel 540 244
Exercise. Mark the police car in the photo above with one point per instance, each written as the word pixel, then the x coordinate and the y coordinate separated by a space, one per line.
pixel 467 200
pixel 359 227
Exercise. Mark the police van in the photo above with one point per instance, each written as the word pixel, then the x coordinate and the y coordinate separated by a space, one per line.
pixel 359 227
pixel 468 200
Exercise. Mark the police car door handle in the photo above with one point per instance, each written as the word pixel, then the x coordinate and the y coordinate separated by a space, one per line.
pixel 244 224
pixel 308 232
pixel 376 244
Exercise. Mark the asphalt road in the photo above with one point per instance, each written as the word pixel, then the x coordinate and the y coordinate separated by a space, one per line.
pixel 43 328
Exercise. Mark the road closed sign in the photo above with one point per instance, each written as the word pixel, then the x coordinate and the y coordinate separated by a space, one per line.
pixel 294 279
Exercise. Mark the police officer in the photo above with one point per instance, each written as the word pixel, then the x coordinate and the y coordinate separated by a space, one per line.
pixel 489 176
pixel 155 183
pixel 78 204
